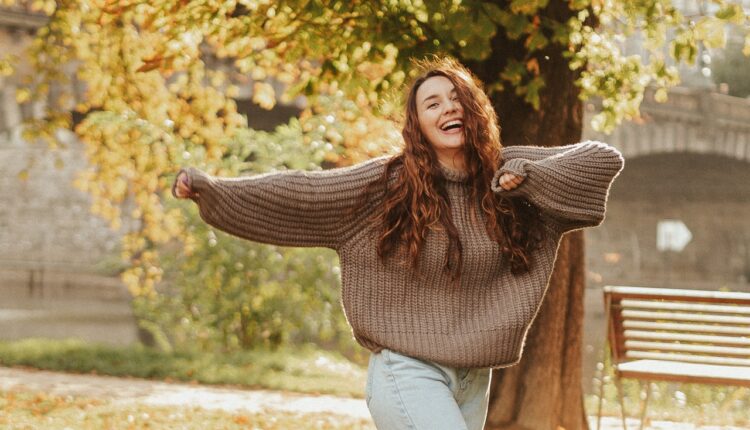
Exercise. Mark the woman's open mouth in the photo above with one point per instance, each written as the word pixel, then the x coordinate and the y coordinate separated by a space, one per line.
pixel 452 126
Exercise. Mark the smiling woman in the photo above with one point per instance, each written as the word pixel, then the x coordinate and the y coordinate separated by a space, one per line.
pixel 441 119
pixel 446 249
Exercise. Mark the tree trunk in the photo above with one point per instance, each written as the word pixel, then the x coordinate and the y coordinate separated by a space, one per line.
pixel 544 391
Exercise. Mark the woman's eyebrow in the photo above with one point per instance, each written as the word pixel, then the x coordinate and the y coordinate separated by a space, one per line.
pixel 434 96
pixel 428 98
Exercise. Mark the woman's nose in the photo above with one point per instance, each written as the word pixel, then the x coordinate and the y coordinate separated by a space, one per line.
pixel 451 106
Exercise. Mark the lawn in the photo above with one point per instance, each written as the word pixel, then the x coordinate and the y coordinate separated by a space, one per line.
pixel 305 369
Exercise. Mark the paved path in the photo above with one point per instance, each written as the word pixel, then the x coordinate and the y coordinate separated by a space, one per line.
pixel 156 393
pixel 131 390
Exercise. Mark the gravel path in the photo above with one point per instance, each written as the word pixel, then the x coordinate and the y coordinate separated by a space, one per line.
pixel 156 393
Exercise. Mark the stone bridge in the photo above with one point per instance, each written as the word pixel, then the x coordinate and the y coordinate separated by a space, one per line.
pixel 687 159
pixel 693 120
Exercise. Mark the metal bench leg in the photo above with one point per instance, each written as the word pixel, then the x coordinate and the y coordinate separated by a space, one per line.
pixel 601 398
pixel 621 398
pixel 645 403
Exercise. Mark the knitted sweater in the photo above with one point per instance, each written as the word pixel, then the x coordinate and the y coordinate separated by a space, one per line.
pixel 483 322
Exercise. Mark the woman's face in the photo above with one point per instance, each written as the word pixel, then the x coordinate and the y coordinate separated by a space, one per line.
pixel 440 116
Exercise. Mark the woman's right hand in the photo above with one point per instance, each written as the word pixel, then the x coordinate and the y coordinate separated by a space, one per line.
pixel 181 188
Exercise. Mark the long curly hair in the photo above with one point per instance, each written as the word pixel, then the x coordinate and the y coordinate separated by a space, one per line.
pixel 417 201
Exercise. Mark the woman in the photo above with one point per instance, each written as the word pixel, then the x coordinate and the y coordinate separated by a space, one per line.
pixel 445 249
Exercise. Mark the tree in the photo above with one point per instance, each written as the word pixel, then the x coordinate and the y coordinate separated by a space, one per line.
pixel 161 74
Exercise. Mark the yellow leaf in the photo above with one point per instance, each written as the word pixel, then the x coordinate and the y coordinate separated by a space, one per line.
pixel 711 31
pixel 23 95
pixel 6 68
pixel 533 66
pixel 233 91
pixel 264 95
pixel 660 95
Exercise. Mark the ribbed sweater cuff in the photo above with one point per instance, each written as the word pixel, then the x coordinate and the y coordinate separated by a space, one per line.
pixel 515 166
pixel 197 181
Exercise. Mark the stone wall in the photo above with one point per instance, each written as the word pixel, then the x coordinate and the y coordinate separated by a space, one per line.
pixel 45 221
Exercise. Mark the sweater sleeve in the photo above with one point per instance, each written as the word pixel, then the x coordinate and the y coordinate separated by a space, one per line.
pixel 569 184
pixel 289 208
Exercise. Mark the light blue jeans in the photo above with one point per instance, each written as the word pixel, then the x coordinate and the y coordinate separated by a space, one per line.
pixel 407 393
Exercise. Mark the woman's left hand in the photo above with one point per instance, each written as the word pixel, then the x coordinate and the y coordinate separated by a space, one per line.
pixel 509 181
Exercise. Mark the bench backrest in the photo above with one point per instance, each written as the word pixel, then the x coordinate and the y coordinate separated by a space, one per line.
pixel 709 327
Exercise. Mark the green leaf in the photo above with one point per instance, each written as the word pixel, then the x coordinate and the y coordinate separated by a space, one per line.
pixel 560 33
pixel 532 90
pixel 495 13
pixel 476 48
pixel 514 72
pixel 516 26
pixel 536 41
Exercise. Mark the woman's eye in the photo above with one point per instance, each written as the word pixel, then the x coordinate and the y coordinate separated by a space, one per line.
pixel 432 106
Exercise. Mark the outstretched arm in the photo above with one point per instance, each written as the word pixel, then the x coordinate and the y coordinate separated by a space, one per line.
pixel 568 183
pixel 291 208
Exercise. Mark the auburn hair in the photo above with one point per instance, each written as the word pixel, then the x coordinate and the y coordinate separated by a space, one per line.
pixel 416 200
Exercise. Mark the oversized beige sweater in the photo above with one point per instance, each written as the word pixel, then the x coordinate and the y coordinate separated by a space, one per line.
pixel 483 322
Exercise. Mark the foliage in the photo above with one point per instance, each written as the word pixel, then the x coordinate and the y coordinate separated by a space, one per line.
pixel 161 77
pixel 223 293
pixel 620 81
pixel 30 410
pixel 302 369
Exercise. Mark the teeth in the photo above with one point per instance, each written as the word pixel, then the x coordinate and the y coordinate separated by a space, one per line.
pixel 451 123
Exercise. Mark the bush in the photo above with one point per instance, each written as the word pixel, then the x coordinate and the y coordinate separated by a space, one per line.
pixel 230 294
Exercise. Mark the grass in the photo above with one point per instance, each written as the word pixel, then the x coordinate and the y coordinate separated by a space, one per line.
pixel 305 369
pixel 700 404
pixel 23 411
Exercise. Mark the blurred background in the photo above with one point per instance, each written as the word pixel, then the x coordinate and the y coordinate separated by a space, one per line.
pixel 678 215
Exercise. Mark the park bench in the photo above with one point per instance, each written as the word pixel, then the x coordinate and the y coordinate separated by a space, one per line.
pixel 663 334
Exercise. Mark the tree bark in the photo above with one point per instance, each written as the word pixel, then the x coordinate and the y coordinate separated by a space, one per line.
pixel 544 391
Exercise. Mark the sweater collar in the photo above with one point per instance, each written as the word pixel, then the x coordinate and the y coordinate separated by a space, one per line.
pixel 453 175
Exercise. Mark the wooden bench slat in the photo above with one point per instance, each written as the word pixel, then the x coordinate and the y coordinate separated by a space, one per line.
pixel 688 358
pixel 632 345
pixel 628 292
pixel 692 328
pixel 693 307
pixel 685 372
pixel 685 337
pixel 682 316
